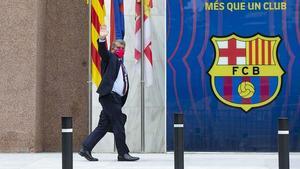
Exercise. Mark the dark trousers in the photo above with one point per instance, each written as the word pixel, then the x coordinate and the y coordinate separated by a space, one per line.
pixel 111 120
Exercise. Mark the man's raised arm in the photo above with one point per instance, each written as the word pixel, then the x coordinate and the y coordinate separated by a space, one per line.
pixel 102 48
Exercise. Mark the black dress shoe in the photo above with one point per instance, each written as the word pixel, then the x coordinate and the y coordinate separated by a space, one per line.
pixel 86 154
pixel 127 157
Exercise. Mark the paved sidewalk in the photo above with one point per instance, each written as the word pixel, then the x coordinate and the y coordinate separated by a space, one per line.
pixel 149 161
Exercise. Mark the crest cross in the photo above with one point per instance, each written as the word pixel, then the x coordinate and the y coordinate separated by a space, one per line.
pixel 232 52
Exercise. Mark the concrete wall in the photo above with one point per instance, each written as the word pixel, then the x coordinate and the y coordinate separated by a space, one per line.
pixel 43 72
pixel 21 82
pixel 66 70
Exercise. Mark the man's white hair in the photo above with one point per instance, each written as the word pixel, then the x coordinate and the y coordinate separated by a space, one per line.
pixel 120 41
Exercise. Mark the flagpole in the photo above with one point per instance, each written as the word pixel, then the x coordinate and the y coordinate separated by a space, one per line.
pixel 90 73
pixel 142 81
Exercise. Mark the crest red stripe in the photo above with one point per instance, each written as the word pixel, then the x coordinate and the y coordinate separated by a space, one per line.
pixel 256 51
pixel 227 89
pixel 264 88
pixel 246 100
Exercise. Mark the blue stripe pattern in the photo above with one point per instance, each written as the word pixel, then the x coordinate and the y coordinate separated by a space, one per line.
pixel 236 98
pixel 256 83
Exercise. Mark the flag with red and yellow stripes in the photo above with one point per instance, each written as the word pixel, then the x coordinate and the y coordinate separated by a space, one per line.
pixel 259 52
pixel 97 19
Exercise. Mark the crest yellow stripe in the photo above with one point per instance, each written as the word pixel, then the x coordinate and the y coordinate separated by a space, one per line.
pixel 253 52
pixel 247 53
pixel 266 52
pixel 272 52
pixel 259 51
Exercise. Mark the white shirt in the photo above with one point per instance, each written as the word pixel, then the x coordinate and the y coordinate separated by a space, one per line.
pixel 119 83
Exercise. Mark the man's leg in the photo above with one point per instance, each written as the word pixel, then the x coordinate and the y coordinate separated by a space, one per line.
pixel 112 105
pixel 119 121
pixel 98 133
pixel 119 134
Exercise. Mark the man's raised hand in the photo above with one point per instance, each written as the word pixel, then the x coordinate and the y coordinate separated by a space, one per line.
pixel 103 32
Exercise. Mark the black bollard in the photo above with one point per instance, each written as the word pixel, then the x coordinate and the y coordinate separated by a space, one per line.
pixel 178 141
pixel 67 143
pixel 283 143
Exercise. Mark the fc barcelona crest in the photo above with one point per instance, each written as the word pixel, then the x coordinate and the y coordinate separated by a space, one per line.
pixel 246 73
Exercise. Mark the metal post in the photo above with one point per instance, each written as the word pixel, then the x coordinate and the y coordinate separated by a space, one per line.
pixel 90 72
pixel 178 141
pixel 67 143
pixel 142 80
pixel 283 143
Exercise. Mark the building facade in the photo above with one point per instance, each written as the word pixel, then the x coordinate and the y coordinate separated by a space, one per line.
pixel 44 72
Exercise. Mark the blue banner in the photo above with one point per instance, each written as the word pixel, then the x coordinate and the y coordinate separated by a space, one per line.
pixel 228 118
pixel 117 20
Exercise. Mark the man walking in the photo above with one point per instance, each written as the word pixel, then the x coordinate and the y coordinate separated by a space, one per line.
pixel 113 91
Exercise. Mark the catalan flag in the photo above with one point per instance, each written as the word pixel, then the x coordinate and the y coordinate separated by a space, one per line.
pixel 97 19
pixel 117 26
pixel 147 39
pixel 260 52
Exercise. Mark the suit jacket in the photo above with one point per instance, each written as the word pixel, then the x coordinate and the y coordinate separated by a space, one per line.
pixel 110 66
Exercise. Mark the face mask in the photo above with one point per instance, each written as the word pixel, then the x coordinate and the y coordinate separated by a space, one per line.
pixel 120 52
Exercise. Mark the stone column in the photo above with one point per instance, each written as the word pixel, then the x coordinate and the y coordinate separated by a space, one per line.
pixel 20 85
pixel 66 71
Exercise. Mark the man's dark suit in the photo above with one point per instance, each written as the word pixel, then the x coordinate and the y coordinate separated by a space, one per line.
pixel 111 118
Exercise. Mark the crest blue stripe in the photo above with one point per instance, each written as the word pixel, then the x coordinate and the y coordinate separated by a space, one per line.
pixel 273 82
pixel 219 82
pixel 256 97
pixel 236 98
